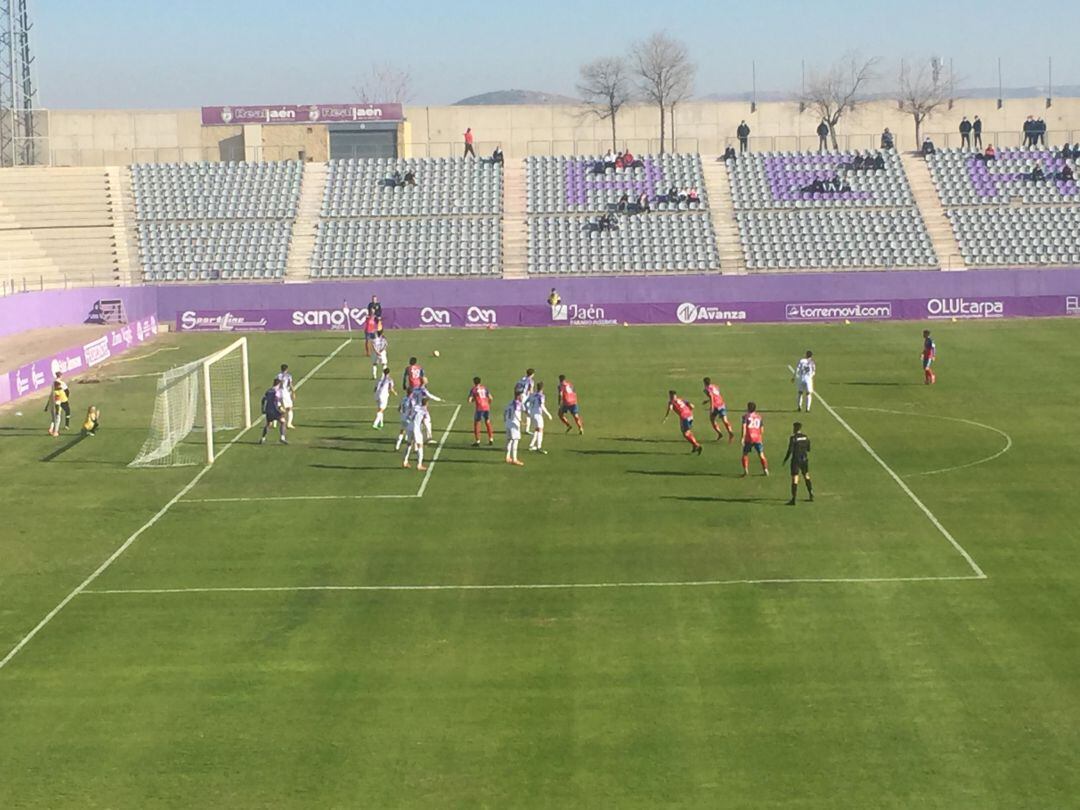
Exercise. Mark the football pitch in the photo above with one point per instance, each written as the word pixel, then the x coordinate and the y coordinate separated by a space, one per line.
pixel 619 623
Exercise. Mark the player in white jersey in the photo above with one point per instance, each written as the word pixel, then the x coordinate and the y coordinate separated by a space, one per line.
pixel 422 392
pixel 536 408
pixel 287 394
pixel 384 389
pixel 405 412
pixel 378 354
pixel 512 414
pixel 523 389
pixel 416 434
pixel 804 381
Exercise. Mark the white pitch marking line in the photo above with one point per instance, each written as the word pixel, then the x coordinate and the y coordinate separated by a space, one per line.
pixel 295 498
pixel 979 573
pixel 438 452
pixel 365 407
pixel 144 356
pixel 540 586
pixel 138 533
pixel 998 454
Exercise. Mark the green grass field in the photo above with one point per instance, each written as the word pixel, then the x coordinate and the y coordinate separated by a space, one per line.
pixel 692 642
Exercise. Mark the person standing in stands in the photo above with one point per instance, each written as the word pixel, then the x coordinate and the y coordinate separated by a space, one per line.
pixel 887 141
pixel 1029 131
pixel 469 143
pixel 743 133
pixel 1040 132
pixel 976 131
pixel 823 135
pixel 965 133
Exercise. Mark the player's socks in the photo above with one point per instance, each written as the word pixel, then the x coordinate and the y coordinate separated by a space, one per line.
pixel 419 456
pixel 745 465
pixel 809 402
pixel 809 489
pixel 400 438
pixel 794 492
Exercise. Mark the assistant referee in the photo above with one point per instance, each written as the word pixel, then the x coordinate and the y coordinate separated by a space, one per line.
pixel 798 451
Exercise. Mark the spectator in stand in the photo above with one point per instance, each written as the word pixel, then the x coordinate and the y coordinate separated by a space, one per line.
pixel 1037 175
pixel 672 195
pixel 976 131
pixel 879 162
pixel 692 196
pixel 743 134
pixel 1029 131
pixel 1066 173
pixel 729 153
pixel 396 180
pixel 990 153
pixel 927 146
pixel 609 159
pixel 643 203
pixel 623 204
pixel 469 142
pixel 858 163
pixel 1041 124
pixel 497 156
pixel 823 135
pixel 965 133
pixel 887 141
pixel 630 161
pixel 409 179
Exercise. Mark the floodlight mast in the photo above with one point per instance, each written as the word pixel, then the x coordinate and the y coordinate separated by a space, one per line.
pixel 20 124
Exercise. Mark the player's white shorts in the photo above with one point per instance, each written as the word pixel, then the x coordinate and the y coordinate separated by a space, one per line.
pixel 286 398
pixel 537 420
pixel 513 433
pixel 416 433
pixel 379 359
pixel 805 386
pixel 382 400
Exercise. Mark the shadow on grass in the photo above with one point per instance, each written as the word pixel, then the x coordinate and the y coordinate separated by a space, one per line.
pixel 681 474
pixel 876 384
pixel 637 439
pixel 59 451
pixel 619 453
pixel 352 467
pixel 706 499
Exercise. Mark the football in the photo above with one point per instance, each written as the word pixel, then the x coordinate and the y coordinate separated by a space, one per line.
pixel 435 353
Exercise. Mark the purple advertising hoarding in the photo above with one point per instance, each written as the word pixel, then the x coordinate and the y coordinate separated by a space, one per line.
pixel 37 375
pixel 300 114
pixel 570 313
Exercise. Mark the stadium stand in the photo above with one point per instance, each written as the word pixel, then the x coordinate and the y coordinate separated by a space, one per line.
pixel 1003 213
pixel 809 210
pixel 215 221
pixel 58 229
pixel 566 196
pixel 447 224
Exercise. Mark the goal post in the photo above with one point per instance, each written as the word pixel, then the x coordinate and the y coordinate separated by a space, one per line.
pixel 194 403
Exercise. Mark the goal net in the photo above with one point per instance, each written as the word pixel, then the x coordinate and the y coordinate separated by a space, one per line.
pixel 196 407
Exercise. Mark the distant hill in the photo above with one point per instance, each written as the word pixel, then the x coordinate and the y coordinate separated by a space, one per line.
pixel 515 97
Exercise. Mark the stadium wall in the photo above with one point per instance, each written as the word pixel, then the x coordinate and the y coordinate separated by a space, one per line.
pixel 119 137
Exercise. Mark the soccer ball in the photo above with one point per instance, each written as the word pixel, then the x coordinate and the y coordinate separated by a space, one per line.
pixel 435 353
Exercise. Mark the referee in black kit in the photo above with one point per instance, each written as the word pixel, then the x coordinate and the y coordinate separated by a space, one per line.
pixel 798 450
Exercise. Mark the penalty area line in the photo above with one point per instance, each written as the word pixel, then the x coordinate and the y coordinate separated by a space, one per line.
pixel 438 452
pixel 979 573
pixel 539 586
pixel 101 569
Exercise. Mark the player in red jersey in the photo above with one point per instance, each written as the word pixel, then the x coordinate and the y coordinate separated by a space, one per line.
pixel 413 376
pixel 568 404
pixel 929 353
pixel 717 410
pixel 480 396
pixel 753 432
pixel 685 412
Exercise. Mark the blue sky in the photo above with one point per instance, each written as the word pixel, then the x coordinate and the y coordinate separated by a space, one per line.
pixel 146 53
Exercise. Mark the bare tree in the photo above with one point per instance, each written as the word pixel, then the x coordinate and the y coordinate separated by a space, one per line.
pixel 838 89
pixel 663 69
pixel 921 92
pixel 605 87
pixel 385 83
pixel 682 87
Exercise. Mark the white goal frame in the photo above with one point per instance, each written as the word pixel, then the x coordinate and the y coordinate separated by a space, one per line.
pixel 208 404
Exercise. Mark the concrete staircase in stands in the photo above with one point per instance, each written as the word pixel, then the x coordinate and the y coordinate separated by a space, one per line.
pixel 718 187
pixel 302 245
pixel 515 226
pixel 937 223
